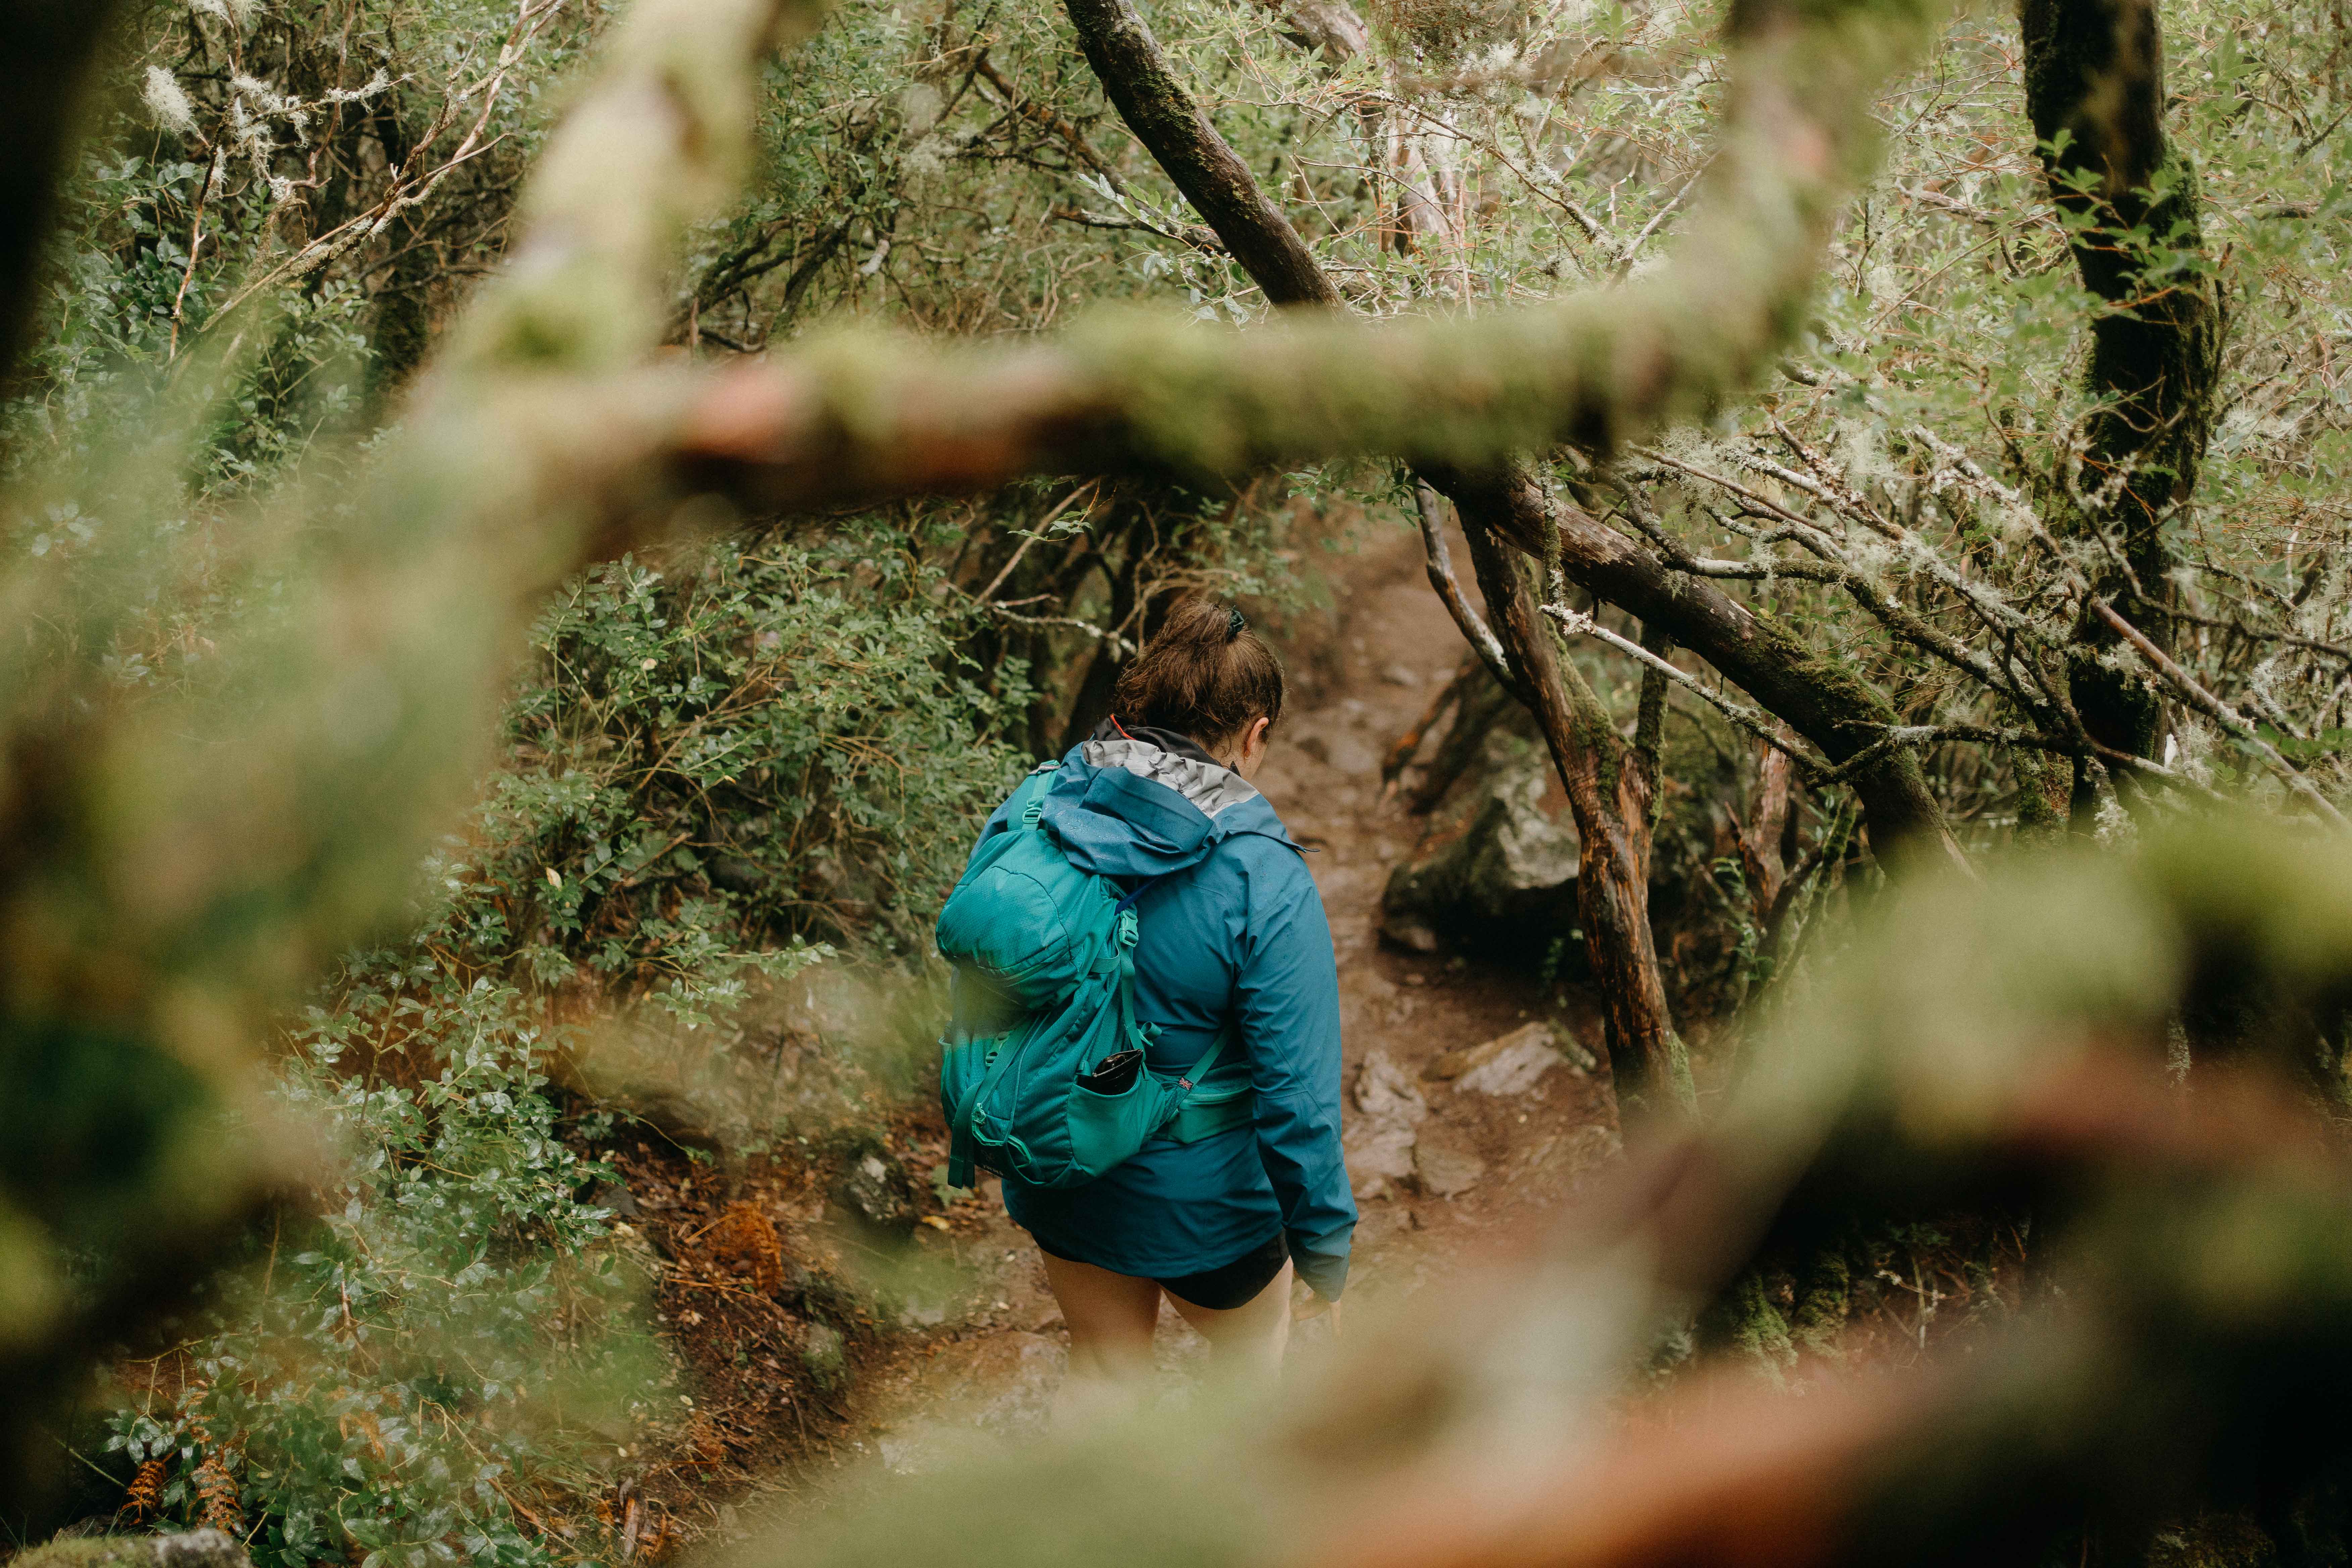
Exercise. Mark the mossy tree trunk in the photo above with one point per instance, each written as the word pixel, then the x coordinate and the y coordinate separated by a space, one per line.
pixel 2094 91
pixel 50 46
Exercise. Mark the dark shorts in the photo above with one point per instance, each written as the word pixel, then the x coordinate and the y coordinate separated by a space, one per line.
pixel 1221 1288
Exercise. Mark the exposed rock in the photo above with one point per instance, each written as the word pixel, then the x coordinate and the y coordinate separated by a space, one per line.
pixel 1384 1093
pixel 1510 1064
pixel 1352 756
pixel 1512 1070
pixel 1495 871
pixel 616 1199
pixel 878 1192
pixel 1413 934
pixel 1444 1163
pixel 199 1549
pixel 1380 1147
pixel 1400 675
pixel 920 1312
pixel 822 1353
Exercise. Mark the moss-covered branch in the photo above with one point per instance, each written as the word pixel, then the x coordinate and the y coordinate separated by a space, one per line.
pixel 1457 399
pixel 865 414
pixel 174 870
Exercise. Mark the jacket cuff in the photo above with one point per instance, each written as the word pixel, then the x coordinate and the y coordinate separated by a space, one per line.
pixel 1326 1273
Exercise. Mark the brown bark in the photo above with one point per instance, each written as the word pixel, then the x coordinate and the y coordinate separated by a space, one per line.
pixel 1611 791
pixel 1822 698
pixel 1760 836
pixel 1135 76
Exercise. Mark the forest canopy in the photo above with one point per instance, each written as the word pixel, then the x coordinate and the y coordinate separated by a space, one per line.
pixel 533 533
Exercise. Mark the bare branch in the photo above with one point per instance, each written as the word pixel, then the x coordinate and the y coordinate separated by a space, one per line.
pixel 1476 632
pixel 2212 706
pixel 1575 623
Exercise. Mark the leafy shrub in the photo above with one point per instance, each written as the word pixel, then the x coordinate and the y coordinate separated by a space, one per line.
pixel 376 1389
pixel 715 760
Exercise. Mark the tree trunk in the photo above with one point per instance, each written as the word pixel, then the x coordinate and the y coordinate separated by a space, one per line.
pixel 50 46
pixel 2094 74
pixel 1612 789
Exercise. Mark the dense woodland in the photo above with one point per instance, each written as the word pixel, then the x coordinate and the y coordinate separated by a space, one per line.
pixel 532 534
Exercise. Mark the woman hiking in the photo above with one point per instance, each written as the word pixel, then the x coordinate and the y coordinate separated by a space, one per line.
pixel 1222 1211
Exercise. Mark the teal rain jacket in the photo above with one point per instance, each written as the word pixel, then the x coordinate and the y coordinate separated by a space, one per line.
pixel 1235 930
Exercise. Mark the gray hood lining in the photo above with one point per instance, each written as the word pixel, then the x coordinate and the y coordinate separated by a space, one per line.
pixel 1212 788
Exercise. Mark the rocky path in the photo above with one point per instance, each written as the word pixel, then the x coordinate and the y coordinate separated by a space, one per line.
pixel 1446 1166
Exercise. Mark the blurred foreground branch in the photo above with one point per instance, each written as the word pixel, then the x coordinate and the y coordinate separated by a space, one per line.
pixel 175 872
pixel 863 416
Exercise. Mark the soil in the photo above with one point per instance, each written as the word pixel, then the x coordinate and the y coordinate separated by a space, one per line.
pixel 980 1345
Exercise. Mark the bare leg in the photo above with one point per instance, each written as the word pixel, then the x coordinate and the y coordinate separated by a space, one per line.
pixel 1247 1339
pixel 1111 1317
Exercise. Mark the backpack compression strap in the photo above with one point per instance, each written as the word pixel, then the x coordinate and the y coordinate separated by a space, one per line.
pixel 1195 1118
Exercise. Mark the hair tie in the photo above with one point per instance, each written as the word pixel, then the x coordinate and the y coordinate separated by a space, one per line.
pixel 1235 624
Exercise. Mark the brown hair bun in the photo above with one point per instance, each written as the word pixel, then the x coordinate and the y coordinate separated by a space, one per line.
pixel 1205 674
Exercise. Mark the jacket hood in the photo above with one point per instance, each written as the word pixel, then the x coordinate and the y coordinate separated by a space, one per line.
pixel 1125 806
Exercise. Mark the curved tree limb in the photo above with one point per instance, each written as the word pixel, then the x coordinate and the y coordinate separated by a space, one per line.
pixel 865 414
pixel 1135 75
pixel 1474 631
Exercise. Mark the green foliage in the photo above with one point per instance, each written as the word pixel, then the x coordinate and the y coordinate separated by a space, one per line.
pixel 452 1324
pixel 761 743
pixel 271 185
pixel 712 761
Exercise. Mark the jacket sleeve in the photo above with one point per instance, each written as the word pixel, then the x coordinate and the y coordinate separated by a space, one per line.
pixel 1286 999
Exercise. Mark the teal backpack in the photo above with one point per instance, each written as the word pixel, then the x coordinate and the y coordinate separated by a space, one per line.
pixel 1054 949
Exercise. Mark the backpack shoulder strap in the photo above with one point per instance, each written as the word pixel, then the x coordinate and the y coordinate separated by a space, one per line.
pixel 1039 782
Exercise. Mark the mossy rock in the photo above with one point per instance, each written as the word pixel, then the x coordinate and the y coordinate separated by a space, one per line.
pixel 197 1548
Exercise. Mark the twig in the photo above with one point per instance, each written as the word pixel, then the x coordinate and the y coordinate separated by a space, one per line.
pixel 1033 536
pixel 529 22
pixel 195 244
pixel 1634 245
pixel 1200 239
pixel 2214 708
pixel 1575 623
pixel 1820 769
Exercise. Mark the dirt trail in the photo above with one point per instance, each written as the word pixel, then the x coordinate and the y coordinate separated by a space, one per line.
pixel 987 1356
